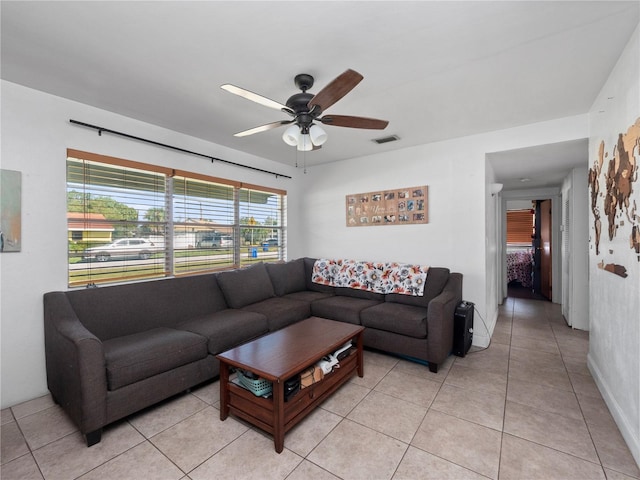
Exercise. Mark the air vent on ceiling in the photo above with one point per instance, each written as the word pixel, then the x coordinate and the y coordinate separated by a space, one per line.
pixel 390 138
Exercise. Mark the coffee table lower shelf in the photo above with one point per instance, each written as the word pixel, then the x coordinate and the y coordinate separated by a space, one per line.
pixel 260 411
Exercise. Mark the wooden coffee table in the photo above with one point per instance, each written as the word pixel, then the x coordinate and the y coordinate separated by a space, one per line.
pixel 279 356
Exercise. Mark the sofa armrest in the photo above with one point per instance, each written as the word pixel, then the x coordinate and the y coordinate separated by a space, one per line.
pixel 76 373
pixel 440 315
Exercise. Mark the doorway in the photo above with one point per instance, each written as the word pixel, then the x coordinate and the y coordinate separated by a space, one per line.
pixel 529 249
pixel 542 278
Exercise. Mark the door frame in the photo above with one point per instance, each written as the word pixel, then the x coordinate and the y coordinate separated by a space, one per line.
pixel 556 217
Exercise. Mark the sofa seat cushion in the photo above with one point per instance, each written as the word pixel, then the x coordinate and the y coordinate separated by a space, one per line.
pixel 227 329
pixel 246 286
pixel 135 357
pixel 405 320
pixel 341 308
pixel 280 311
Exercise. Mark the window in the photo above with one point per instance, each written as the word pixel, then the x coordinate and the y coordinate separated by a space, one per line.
pixel 129 220
pixel 520 225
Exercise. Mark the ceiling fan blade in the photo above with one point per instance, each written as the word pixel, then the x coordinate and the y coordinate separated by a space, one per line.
pixel 354 122
pixel 254 97
pixel 336 89
pixel 262 128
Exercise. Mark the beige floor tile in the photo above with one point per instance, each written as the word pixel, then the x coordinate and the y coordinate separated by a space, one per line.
pixel 7 416
pixel 573 346
pixel 33 406
pixel 389 415
pixel 464 443
pixel 352 451
pixel 155 419
pixel 477 380
pixel 305 436
pixel 613 451
pixel 418 464
pixel 536 359
pixel 309 471
pixel 584 385
pixel 595 411
pixel 549 429
pixel 486 409
pixel 45 426
pixel 533 333
pixel 576 364
pixel 493 359
pixel 613 475
pixel 535 344
pixel 345 399
pixel 548 399
pixel 410 388
pixel 373 373
pixel 12 443
pixel 70 457
pixel 194 440
pixel 142 461
pixel 501 338
pixel 522 459
pixel 23 468
pixel 209 393
pixel 252 455
pixel 379 358
pixel 548 377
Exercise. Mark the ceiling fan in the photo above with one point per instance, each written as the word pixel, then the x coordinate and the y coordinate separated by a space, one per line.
pixel 306 109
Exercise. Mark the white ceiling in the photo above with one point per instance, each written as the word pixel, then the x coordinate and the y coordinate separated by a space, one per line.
pixel 435 70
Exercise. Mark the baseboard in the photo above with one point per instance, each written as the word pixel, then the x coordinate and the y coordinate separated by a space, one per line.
pixel 633 442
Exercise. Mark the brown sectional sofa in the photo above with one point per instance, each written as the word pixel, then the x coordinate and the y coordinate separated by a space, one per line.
pixel 111 351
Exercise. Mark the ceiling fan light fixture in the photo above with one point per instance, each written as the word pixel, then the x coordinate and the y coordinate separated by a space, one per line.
pixel 305 144
pixel 291 135
pixel 317 134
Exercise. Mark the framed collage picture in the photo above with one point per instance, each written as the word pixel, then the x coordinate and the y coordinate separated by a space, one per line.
pixel 402 206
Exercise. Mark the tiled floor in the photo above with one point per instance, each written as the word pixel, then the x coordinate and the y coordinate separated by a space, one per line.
pixel 525 408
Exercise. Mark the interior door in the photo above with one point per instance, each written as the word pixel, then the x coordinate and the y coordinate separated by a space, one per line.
pixel 545 249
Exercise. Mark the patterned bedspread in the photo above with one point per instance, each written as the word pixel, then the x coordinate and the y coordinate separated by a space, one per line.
pixel 371 276
pixel 519 267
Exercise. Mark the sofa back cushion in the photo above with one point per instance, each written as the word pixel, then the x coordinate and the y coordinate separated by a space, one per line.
pixel 437 278
pixel 308 272
pixel 114 311
pixel 287 277
pixel 357 293
pixel 246 286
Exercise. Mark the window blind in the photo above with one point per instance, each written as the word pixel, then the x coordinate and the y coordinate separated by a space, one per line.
pixel 129 220
pixel 519 226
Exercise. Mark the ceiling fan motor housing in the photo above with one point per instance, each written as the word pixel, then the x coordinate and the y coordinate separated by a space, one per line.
pixel 299 103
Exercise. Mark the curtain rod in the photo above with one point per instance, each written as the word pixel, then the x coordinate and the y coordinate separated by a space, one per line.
pixel 164 145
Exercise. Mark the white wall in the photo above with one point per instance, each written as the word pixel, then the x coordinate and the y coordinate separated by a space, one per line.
pixel 614 307
pixel 35 135
pixel 457 235
pixel 575 285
